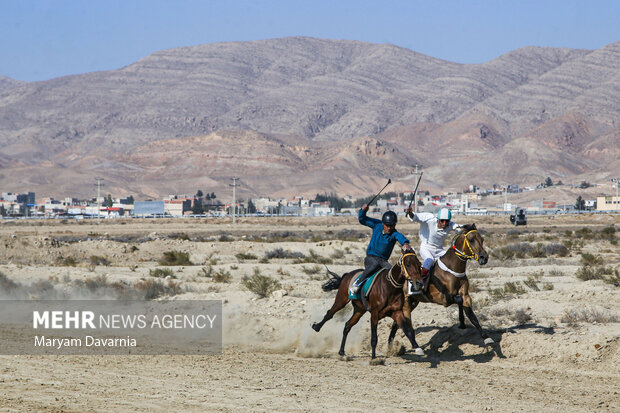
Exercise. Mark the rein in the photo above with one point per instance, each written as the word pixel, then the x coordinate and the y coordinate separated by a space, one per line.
pixel 461 253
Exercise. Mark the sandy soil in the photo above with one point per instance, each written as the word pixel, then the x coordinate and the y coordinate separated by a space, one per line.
pixel 544 360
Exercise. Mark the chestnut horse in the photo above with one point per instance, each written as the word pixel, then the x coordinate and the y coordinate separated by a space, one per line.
pixel 386 299
pixel 448 282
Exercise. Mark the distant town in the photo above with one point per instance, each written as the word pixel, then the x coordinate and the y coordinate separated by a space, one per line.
pixel 25 205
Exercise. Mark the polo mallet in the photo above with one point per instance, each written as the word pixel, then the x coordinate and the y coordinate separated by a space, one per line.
pixel 375 197
pixel 416 189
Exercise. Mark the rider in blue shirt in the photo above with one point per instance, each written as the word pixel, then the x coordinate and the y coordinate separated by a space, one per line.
pixel 384 236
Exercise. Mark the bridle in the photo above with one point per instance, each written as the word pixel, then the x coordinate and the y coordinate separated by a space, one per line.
pixel 461 253
pixel 401 263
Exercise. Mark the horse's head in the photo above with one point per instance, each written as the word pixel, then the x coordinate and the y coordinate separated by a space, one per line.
pixel 469 244
pixel 411 266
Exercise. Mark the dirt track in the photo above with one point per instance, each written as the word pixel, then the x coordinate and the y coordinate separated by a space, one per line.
pixel 273 361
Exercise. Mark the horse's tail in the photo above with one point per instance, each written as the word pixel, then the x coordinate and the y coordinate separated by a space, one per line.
pixel 333 283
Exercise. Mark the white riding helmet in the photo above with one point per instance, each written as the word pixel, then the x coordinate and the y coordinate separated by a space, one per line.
pixel 444 213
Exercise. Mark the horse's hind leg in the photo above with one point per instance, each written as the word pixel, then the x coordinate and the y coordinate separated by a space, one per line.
pixel 357 314
pixel 401 321
pixel 342 298
pixel 409 306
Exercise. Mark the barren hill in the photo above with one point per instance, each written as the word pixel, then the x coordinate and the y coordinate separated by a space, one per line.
pixel 302 115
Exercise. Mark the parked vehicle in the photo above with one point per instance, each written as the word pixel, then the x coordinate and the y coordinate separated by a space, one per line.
pixel 518 218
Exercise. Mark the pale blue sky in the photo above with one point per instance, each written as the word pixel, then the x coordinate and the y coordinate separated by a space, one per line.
pixel 43 39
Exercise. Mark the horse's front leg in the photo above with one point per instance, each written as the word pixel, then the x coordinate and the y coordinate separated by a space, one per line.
pixel 474 320
pixel 461 317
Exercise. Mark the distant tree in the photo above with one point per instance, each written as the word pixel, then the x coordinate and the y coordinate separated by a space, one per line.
pixel 130 200
pixel 108 202
pixel 334 201
pixel 213 196
pixel 580 205
pixel 251 207
pixel 198 209
pixel 199 194
pixel 2 211
pixel 559 183
pixel 584 185
pixel 548 182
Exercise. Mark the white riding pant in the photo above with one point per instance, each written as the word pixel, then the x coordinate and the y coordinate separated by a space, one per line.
pixel 429 254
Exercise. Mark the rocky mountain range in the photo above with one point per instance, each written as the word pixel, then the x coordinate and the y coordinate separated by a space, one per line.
pixel 301 115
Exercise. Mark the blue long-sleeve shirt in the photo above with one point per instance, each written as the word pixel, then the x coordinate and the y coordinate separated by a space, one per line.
pixel 381 244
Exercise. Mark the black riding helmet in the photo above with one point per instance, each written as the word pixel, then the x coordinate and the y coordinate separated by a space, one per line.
pixel 389 218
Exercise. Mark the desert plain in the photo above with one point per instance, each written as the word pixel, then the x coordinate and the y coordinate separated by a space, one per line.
pixel 549 297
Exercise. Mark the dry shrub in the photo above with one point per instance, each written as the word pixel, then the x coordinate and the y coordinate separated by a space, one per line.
pixel 588 315
pixel 587 273
pixel 97 260
pixel 520 316
pixel 175 258
pixel 314 257
pixel 590 259
pixel 280 253
pixel 162 273
pixel 151 288
pixel 531 283
pixel 66 261
pixel 221 276
pixel 245 256
pixel 261 285
pixel 315 269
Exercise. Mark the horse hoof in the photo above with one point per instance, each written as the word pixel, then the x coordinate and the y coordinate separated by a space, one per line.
pixel 377 362
pixel 418 351
pixel 488 341
pixel 316 327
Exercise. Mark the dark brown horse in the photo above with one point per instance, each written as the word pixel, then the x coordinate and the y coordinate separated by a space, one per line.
pixel 386 299
pixel 448 282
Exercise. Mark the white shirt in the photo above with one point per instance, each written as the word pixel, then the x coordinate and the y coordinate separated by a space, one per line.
pixel 429 232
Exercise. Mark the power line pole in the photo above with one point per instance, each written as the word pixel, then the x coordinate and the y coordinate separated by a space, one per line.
pixel 234 186
pixel 616 181
pixel 99 185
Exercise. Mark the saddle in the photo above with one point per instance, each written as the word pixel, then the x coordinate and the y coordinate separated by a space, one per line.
pixel 365 289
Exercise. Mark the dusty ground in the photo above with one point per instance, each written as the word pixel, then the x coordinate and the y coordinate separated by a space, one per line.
pixel 558 336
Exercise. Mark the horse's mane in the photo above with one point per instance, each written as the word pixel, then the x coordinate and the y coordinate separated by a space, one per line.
pixel 468 227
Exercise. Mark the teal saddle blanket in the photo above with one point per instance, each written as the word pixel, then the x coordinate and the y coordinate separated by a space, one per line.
pixel 365 288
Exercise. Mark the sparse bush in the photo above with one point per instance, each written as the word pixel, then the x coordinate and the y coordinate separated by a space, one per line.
pixel 133 248
pixel 162 273
pixel 513 288
pixel 556 249
pixel 315 269
pixel 264 260
pixel 556 273
pixel 590 259
pixel 261 285
pixel 588 315
pixel 151 289
pixel 281 271
pixel 583 233
pixel 531 283
pixel 587 273
pixel 245 256
pixel 221 276
pixel 226 238
pixel 97 260
pixel 66 261
pixel 280 253
pixel 234 267
pixel 608 233
pixel 206 271
pixel 548 286
pixel 520 316
pixel 614 279
pixel 96 283
pixel 175 258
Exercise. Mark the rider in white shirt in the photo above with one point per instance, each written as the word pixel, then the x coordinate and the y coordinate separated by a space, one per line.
pixel 433 232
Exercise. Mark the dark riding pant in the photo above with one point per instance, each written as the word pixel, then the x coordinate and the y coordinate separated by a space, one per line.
pixel 371 265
